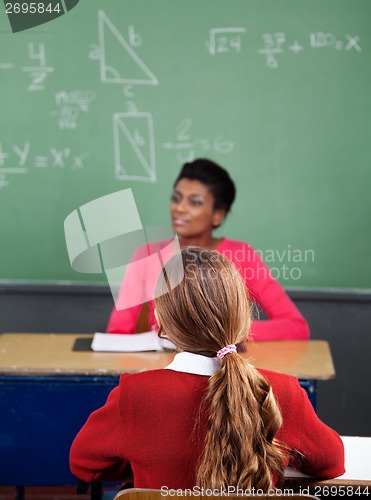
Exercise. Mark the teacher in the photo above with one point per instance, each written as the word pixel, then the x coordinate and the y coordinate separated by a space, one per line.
pixel 203 194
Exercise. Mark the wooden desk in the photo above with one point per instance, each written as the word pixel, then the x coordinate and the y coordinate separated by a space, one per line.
pixel 47 391
pixel 35 354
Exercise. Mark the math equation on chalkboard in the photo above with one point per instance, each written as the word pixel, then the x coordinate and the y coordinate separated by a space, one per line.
pixel 112 54
pixel 228 40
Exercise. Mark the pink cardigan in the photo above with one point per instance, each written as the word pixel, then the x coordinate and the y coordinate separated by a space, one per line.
pixel 148 420
pixel 284 319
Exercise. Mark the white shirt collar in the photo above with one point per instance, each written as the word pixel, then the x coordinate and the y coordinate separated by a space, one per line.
pixel 188 362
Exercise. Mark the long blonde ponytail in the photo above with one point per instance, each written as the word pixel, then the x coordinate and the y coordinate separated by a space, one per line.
pixel 240 449
pixel 208 310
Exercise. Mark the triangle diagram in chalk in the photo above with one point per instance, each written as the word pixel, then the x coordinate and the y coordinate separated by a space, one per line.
pixel 119 63
pixel 134 146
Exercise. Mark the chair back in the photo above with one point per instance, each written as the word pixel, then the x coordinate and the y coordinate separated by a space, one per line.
pixel 148 494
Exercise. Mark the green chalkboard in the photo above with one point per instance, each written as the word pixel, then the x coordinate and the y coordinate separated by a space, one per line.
pixel 118 94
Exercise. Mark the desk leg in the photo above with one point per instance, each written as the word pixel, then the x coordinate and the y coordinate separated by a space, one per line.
pixel 96 491
pixel 310 387
pixel 19 493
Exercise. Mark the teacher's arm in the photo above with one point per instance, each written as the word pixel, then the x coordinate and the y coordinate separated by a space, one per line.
pixel 131 297
pixel 285 321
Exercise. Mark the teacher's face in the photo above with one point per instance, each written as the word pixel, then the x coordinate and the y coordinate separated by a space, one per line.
pixel 192 209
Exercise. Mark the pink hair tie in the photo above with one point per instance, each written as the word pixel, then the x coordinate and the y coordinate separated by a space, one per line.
pixel 226 350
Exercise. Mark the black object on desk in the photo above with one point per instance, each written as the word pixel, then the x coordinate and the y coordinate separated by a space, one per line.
pixel 82 344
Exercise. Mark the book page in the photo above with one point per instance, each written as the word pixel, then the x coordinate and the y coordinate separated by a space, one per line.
pixel 138 342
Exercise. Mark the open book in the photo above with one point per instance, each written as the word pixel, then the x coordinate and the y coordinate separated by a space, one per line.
pixel 137 342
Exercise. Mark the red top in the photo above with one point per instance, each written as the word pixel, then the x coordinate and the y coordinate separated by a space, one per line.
pixel 285 320
pixel 149 421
